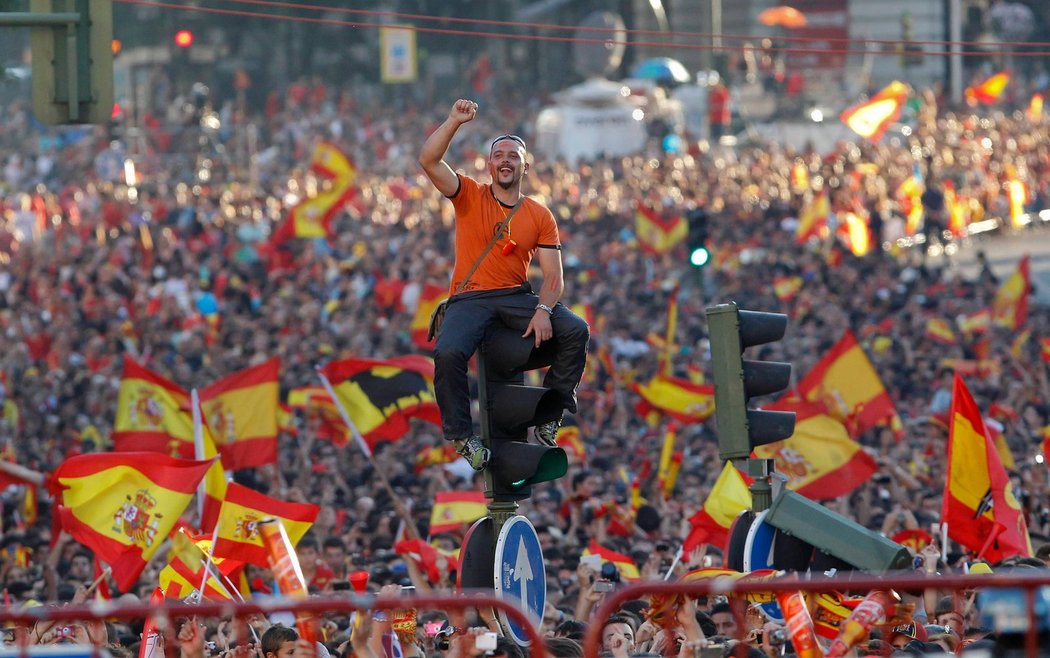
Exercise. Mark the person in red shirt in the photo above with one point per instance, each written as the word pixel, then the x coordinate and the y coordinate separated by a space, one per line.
pixel 498 290
pixel 316 574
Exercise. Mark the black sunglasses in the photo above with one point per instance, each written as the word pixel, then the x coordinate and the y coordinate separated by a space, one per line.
pixel 513 138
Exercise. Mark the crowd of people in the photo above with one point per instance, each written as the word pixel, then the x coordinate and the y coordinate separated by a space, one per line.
pixel 94 266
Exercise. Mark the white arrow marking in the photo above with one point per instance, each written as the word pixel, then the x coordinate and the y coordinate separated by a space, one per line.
pixel 523 572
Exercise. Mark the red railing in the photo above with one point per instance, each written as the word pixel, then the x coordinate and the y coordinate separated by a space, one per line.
pixel 101 610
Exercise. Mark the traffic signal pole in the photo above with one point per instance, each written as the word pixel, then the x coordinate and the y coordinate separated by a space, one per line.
pixel 501 509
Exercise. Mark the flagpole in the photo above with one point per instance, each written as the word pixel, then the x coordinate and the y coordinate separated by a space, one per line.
pixel 410 528
pixel 221 578
pixel 198 450
pixel 674 562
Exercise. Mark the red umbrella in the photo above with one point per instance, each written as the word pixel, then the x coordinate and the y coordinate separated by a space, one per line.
pixel 783 16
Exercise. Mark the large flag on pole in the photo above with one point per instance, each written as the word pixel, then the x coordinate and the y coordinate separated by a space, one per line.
pixel 846 383
pixel 979 506
pixel 152 414
pixel 240 411
pixel 453 509
pixel 1010 306
pixel 678 398
pixel 820 459
pixel 989 90
pixel 123 504
pixel 380 397
pixel 238 535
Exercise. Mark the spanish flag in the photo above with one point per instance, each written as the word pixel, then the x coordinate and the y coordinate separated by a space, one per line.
pixel 1044 349
pixel 312 217
pixel 381 396
pixel 980 507
pixel 989 91
pixel 675 397
pixel 429 297
pixel 871 118
pixel 213 487
pixel 729 497
pixel 122 505
pixel 655 234
pixel 958 210
pixel 436 455
pixel 846 383
pixel 152 414
pixel 243 509
pixel 1010 306
pixel 624 564
pixel 329 161
pixel 909 198
pixel 820 459
pixel 453 509
pixel 570 439
pixel 854 233
pixel 240 410
pixel 787 287
pixel 1018 344
pixel 939 331
pixel 1035 108
pixel 186 569
pixel 977 322
pixel 813 219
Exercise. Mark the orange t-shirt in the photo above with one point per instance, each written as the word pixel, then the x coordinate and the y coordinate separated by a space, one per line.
pixel 478 213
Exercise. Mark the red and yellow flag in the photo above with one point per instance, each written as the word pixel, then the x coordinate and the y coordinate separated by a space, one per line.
pixel 939 331
pixel 820 459
pixel 186 568
pixel 453 509
pixel 1010 306
pixel 123 504
pixel 728 498
pixel 980 507
pixel 813 219
pixel 977 322
pixel 958 210
pixel 871 118
pixel 240 410
pixel 655 234
pixel 152 414
pixel 1035 108
pixel 989 91
pixel 429 297
pixel 675 397
pixel 381 396
pixel 312 217
pixel 786 287
pixel 570 439
pixel 624 564
pixel 854 233
pixel 846 383
pixel 213 488
pixel 1044 349
pixel 243 509
pixel 436 455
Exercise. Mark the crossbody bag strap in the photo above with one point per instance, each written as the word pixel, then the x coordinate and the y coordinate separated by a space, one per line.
pixel 495 238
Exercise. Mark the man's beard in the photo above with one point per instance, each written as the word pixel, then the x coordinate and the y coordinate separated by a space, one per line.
pixel 514 180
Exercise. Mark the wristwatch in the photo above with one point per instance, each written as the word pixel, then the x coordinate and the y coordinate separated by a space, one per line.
pixel 550 311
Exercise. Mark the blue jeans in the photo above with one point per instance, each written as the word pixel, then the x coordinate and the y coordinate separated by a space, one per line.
pixel 468 316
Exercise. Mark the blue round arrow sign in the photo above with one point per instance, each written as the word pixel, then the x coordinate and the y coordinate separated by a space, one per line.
pixel 520 576
pixel 758 554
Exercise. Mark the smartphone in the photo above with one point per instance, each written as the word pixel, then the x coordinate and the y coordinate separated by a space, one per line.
pixel 485 642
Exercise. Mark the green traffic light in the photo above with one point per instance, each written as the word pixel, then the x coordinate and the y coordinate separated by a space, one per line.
pixel 699 257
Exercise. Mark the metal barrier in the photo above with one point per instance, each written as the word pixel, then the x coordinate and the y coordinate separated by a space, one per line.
pixel 854 582
pixel 240 611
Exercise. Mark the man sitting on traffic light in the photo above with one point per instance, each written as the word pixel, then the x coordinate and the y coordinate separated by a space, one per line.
pixel 497 233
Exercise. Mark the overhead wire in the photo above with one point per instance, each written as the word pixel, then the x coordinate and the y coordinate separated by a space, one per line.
pixel 574 39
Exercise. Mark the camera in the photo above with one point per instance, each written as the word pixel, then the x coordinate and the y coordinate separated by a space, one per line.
pixel 610 572
pixel 211 647
pixel 443 638
pixel 603 586
pixel 778 637
pixel 485 642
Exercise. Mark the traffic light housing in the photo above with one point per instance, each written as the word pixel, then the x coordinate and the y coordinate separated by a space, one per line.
pixel 740 429
pixel 697 236
pixel 73 62
pixel 509 408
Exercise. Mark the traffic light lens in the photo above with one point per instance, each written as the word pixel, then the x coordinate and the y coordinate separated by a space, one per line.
pixel 184 38
pixel 700 257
